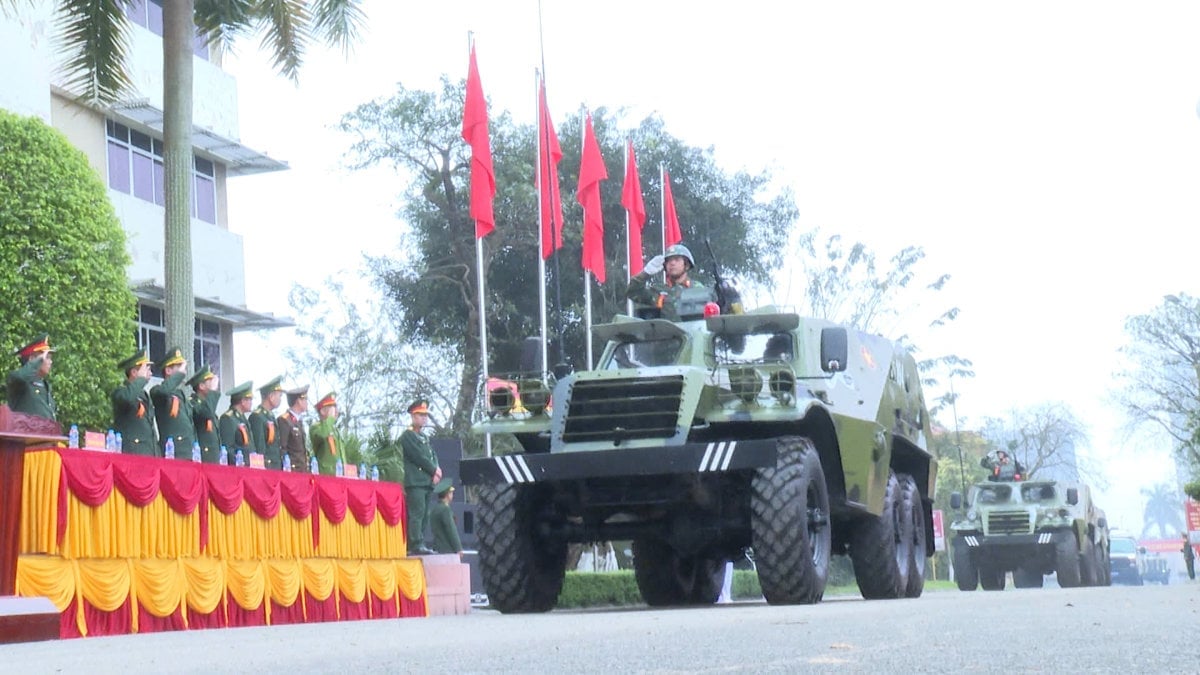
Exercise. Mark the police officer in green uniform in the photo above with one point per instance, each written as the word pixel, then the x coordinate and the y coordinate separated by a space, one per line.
pixel 326 440
pixel 421 471
pixel 262 424
pixel 441 520
pixel 206 394
pixel 172 409
pixel 133 411
pixel 293 440
pixel 235 428
pixel 29 385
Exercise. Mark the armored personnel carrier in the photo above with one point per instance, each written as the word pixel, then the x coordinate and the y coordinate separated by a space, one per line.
pixel 700 439
pixel 1030 528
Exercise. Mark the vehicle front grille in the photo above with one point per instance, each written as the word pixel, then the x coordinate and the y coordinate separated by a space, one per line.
pixel 623 409
pixel 1009 522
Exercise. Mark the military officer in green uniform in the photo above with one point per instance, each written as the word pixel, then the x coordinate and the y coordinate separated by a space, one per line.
pixel 326 441
pixel 133 411
pixel 235 428
pixel 206 394
pixel 421 471
pixel 29 385
pixel 172 409
pixel 262 424
pixel 646 291
pixel 293 440
pixel 441 520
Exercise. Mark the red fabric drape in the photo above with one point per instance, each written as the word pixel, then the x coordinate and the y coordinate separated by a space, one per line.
pixel 198 621
pixel 281 615
pixel 320 610
pixel 411 608
pixel 355 611
pixel 239 616
pixel 116 622
pixel 148 623
pixel 383 609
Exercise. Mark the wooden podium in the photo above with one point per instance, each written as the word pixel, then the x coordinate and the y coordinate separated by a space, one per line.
pixel 21 619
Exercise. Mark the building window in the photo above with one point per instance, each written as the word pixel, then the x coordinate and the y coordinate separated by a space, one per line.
pixel 135 166
pixel 152 335
pixel 149 15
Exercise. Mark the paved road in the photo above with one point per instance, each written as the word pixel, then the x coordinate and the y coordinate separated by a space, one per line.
pixel 1150 629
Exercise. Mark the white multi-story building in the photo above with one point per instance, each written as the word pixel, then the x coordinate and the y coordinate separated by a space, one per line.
pixel 123 142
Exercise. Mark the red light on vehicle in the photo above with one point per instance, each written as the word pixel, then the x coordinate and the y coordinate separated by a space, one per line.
pixel 711 309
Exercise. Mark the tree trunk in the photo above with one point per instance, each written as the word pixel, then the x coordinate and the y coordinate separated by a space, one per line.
pixel 178 32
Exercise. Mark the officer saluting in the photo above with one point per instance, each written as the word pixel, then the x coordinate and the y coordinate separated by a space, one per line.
pixel 235 429
pixel 326 442
pixel 262 424
pixel 206 393
pixel 28 386
pixel 172 409
pixel 291 430
pixel 133 412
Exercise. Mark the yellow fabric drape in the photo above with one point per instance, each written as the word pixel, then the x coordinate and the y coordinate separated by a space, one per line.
pixel 350 539
pixel 285 581
pixel 246 582
pixel 318 577
pixel 161 586
pixel 352 580
pixel 47 577
pixel 205 579
pixel 410 577
pixel 39 502
pixel 243 535
pixel 118 529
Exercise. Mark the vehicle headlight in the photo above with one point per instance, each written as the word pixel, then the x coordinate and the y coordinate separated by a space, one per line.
pixel 971 514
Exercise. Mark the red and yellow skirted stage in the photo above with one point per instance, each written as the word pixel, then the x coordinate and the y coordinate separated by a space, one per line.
pixel 131 544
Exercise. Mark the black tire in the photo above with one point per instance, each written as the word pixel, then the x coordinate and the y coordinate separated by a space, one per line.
pixel 521 572
pixel 992 578
pixel 1105 565
pixel 914 510
pixel 1089 569
pixel 1066 563
pixel 880 548
pixel 966 574
pixel 666 578
pixel 1025 577
pixel 789 523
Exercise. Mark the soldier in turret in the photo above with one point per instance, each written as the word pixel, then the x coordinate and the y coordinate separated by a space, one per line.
pixel 645 290
pixel 1004 467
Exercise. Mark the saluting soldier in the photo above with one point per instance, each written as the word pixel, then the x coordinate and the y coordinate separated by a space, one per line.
pixel 172 409
pixel 133 412
pixel 206 394
pixel 29 385
pixel 235 429
pixel 421 471
pixel 326 441
pixel 291 430
pixel 262 424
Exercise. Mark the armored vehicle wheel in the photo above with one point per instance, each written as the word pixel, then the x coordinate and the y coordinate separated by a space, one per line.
pixel 521 572
pixel 992 578
pixel 789 524
pixel 966 575
pixel 1024 577
pixel 1105 566
pixel 881 548
pixel 915 511
pixel 1089 570
pixel 666 578
pixel 1066 564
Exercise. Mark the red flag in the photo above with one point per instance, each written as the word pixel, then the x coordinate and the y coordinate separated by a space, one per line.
pixel 549 155
pixel 671 233
pixel 591 172
pixel 631 199
pixel 475 133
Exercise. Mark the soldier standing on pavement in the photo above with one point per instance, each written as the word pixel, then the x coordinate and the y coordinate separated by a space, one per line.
pixel 291 430
pixel 235 429
pixel 326 442
pixel 172 409
pixel 262 424
pixel 206 394
pixel 29 386
pixel 133 412
pixel 421 471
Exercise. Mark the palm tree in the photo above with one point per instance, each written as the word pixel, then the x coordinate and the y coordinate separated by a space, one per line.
pixel 96 38
pixel 1164 509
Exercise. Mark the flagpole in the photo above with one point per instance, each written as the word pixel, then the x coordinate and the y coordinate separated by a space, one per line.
pixel 587 280
pixel 481 282
pixel 628 233
pixel 662 179
pixel 537 95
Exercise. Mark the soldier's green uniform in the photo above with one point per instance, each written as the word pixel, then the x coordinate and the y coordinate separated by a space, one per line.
pixel 647 292
pixel 205 419
pixel 263 429
pixel 28 391
pixel 441 521
pixel 235 428
pixel 172 409
pixel 420 465
pixel 133 411
pixel 326 440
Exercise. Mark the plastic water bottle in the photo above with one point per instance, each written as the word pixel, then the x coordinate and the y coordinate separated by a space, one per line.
pixel 362 472
pixel 287 463
pixel 312 466
pixel 170 448
pixel 338 470
pixel 110 441
pixel 196 451
pixel 238 460
pixel 73 437
pixel 223 458
pixel 374 473
pixel 120 443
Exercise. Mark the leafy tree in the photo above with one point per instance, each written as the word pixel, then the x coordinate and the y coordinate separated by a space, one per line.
pixel 433 281
pixel 1043 438
pixel 1163 509
pixel 1160 387
pixel 62 267
pixel 95 36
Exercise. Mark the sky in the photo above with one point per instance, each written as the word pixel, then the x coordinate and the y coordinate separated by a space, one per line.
pixel 1044 154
